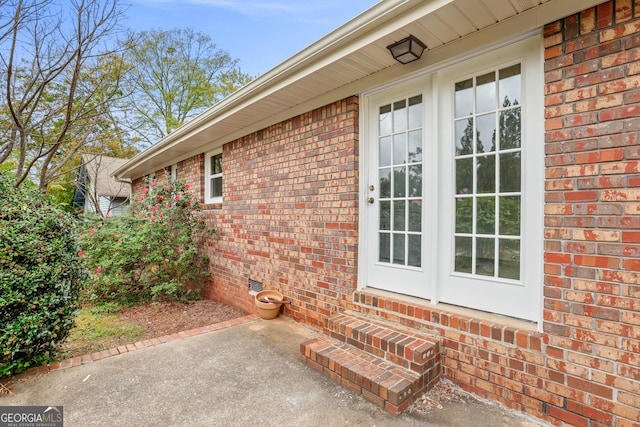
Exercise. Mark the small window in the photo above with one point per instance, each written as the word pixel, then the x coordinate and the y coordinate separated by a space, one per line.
pixel 213 183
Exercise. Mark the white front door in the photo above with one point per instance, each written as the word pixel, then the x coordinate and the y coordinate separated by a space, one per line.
pixel 397 152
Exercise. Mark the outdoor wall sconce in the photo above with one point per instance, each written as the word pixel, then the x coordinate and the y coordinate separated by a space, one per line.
pixel 407 50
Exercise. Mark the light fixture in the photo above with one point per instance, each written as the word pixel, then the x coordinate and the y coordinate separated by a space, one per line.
pixel 407 50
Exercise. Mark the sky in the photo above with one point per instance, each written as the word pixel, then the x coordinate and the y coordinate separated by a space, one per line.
pixel 259 33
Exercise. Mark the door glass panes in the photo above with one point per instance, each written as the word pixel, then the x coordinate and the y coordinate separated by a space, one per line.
pixel 400 147
pixel 488 164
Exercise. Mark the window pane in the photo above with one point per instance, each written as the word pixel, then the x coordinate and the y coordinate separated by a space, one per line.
pixel 510 172
pixel 486 216
pixel 486 133
pixel 216 187
pixel 464 249
pixel 510 84
pixel 486 92
pixel 464 176
pixel 464 215
pixel 384 247
pixel 415 181
pixel 398 249
pixel 399 215
pixel 415 112
pixel 415 146
pixel 485 257
pixel 510 216
pixel 510 129
pixel 399 182
pixel 464 98
pixel 509 262
pixel 385 125
pixel 415 251
pixel 464 137
pixel 400 116
pixel 385 183
pixel 385 215
pixel 216 162
pixel 486 174
pixel 400 149
pixel 415 215
pixel 385 151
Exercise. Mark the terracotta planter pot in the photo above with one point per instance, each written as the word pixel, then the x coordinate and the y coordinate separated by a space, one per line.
pixel 269 310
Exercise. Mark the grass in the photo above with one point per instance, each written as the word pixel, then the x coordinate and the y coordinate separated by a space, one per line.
pixel 97 328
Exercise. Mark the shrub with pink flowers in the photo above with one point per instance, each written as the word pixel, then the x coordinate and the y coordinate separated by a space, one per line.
pixel 154 252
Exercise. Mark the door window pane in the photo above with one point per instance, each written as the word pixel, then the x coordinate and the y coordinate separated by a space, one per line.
pixel 400 182
pixel 400 145
pixel 509 261
pixel 384 247
pixel 488 167
pixel 486 92
pixel 464 98
pixel 485 256
pixel 414 258
pixel 385 215
pixel 398 248
pixel 399 215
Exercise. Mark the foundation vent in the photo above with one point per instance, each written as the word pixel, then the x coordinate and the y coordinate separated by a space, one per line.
pixel 255 286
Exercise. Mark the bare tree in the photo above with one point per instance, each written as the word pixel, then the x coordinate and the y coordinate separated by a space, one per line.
pixel 176 75
pixel 60 80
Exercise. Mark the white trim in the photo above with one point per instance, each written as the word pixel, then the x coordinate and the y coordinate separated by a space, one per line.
pixel 208 176
pixel 438 226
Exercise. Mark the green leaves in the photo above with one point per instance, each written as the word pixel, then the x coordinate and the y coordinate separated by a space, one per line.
pixel 41 277
pixel 152 253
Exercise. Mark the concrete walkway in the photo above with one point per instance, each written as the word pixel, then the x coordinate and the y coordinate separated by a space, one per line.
pixel 248 374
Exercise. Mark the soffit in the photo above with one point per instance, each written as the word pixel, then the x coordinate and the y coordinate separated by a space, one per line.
pixel 351 54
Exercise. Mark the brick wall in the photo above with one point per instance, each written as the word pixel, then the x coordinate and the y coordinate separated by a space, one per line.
pixel 592 216
pixel 290 214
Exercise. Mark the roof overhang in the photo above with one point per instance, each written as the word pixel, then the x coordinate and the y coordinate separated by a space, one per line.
pixel 350 60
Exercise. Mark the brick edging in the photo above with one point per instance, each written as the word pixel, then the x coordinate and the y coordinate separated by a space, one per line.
pixel 128 348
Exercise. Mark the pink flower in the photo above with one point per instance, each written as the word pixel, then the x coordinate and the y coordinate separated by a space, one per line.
pixel 160 215
pixel 146 190
pixel 187 204
pixel 153 184
pixel 80 253
pixel 92 231
pixel 180 250
pixel 81 234
pixel 186 186
pixel 99 269
pixel 199 220
pixel 108 215
pixel 159 198
pixel 153 218
pixel 169 186
pixel 141 198
pixel 176 198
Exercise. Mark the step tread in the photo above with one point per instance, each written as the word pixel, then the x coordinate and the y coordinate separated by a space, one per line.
pixel 407 349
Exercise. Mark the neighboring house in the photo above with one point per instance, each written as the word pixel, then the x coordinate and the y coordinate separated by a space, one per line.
pixel 472 215
pixel 97 191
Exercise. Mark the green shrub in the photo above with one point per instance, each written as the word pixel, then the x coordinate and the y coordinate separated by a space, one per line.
pixel 41 277
pixel 151 253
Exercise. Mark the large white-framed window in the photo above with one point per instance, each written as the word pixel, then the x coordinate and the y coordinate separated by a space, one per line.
pixel 213 177
pixel 483 193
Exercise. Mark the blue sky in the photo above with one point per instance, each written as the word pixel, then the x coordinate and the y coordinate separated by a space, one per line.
pixel 260 33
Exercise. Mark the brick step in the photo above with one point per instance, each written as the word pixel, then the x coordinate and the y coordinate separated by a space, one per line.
pixel 410 350
pixel 387 385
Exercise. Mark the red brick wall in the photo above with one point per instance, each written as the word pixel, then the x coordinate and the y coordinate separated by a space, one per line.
pixel 592 215
pixel 290 213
